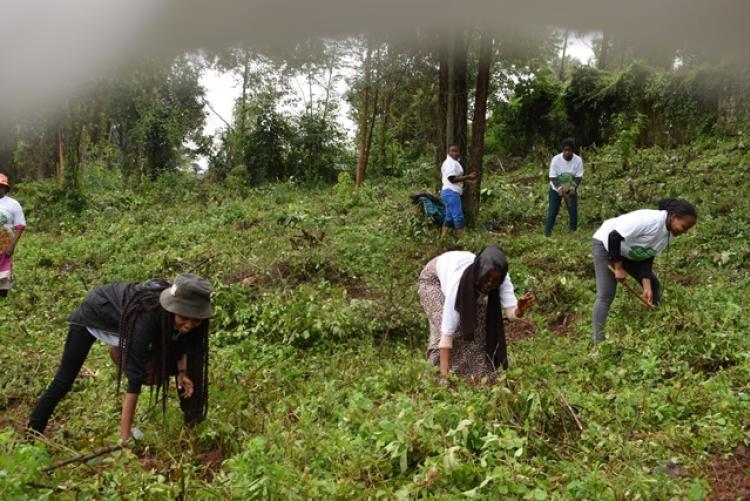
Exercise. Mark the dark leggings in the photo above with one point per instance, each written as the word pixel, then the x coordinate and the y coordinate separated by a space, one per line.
pixel 3 292
pixel 555 199
pixel 77 348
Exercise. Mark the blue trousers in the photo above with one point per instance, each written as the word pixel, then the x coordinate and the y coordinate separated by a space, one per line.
pixel 454 212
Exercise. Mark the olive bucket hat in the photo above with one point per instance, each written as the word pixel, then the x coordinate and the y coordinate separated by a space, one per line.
pixel 189 296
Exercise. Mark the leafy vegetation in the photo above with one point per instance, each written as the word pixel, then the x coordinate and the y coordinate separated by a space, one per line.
pixel 319 387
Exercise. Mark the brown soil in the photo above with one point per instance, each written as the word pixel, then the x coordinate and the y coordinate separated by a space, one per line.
pixel 68 267
pixel 518 330
pixel 249 281
pixel 686 280
pixel 541 264
pixel 149 461
pixel 211 462
pixel 563 325
pixel 246 225
pixel 729 477
pixel 526 179
pixel 357 290
pixel 239 274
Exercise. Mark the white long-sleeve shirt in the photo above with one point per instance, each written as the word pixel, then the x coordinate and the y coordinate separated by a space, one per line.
pixel 450 266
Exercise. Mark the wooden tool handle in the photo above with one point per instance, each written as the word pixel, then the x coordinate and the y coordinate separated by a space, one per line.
pixel 631 290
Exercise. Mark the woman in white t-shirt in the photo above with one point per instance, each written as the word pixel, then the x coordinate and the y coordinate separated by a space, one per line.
pixel 12 224
pixel 565 175
pixel 628 244
pixel 463 296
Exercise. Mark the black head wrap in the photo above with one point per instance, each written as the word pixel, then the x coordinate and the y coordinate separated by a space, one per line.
pixel 491 258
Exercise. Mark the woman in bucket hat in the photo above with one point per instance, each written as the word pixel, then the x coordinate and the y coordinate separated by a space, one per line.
pixel 12 224
pixel 156 329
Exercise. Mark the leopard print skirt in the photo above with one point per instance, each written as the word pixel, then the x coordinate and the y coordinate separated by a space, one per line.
pixel 468 358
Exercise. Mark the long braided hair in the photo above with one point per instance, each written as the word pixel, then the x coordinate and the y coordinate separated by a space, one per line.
pixel 143 298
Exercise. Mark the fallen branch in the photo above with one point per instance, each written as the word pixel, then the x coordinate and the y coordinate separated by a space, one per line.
pixel 570 410
pixel 82 458
pixel 42 438
pixel 632 291
pixel 567 405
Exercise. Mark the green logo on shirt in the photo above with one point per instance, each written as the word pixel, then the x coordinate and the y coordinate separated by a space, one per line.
pixel 638 253
pixel 3 219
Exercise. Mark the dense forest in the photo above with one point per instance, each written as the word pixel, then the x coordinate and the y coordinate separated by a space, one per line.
pixel 297 211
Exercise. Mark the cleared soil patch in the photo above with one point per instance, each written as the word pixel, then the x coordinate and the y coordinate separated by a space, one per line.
pixel 729 477
pixel 208 463
pixel 518 330
pixel 563 325
pixel 358 290
pixel 211 462
pixel 526 179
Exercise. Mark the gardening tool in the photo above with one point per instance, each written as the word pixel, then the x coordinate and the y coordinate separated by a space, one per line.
pixel 632 291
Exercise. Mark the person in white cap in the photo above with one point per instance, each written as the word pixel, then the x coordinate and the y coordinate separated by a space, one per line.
pixel 12 224
pixel 156 329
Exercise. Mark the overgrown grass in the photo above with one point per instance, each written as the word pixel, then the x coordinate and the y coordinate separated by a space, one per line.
pixel 319 384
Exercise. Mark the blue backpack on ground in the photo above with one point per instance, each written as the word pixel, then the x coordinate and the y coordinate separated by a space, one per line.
pixel 433 207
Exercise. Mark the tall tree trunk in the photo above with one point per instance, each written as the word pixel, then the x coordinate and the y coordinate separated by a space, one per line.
pixel 371 125
pixel 478 127
pixel 384 131
pixel 326 101
pixel 41 156
pixel 60 156
pixel 601 63
pixel 245 83
pixel 459 96
pixel 441 145
pixel 310 143
pixel 561 75
pixel 364 111
pixel 450 110
pixel 73 157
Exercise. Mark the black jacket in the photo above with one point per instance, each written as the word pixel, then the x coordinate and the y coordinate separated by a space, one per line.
pixel 102 309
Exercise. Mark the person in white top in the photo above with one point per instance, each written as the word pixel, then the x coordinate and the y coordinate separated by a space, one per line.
pixel 463 296
pixel 12 224
pixel 565 175
pixel 452 174
pixel 628 244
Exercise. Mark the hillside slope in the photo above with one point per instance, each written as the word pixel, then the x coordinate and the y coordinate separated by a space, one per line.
pixel 319 386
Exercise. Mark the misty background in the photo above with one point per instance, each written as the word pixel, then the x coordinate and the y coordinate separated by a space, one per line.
pixel 146 86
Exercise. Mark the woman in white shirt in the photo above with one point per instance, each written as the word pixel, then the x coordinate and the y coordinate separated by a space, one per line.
pixel 628 244
pixel 12 224
pixel 565 175
pixel 462 295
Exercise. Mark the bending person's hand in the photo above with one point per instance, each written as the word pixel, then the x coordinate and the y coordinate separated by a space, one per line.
pixel 184 382
pixel 648 293
pixel 524 303
pixel 620 275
